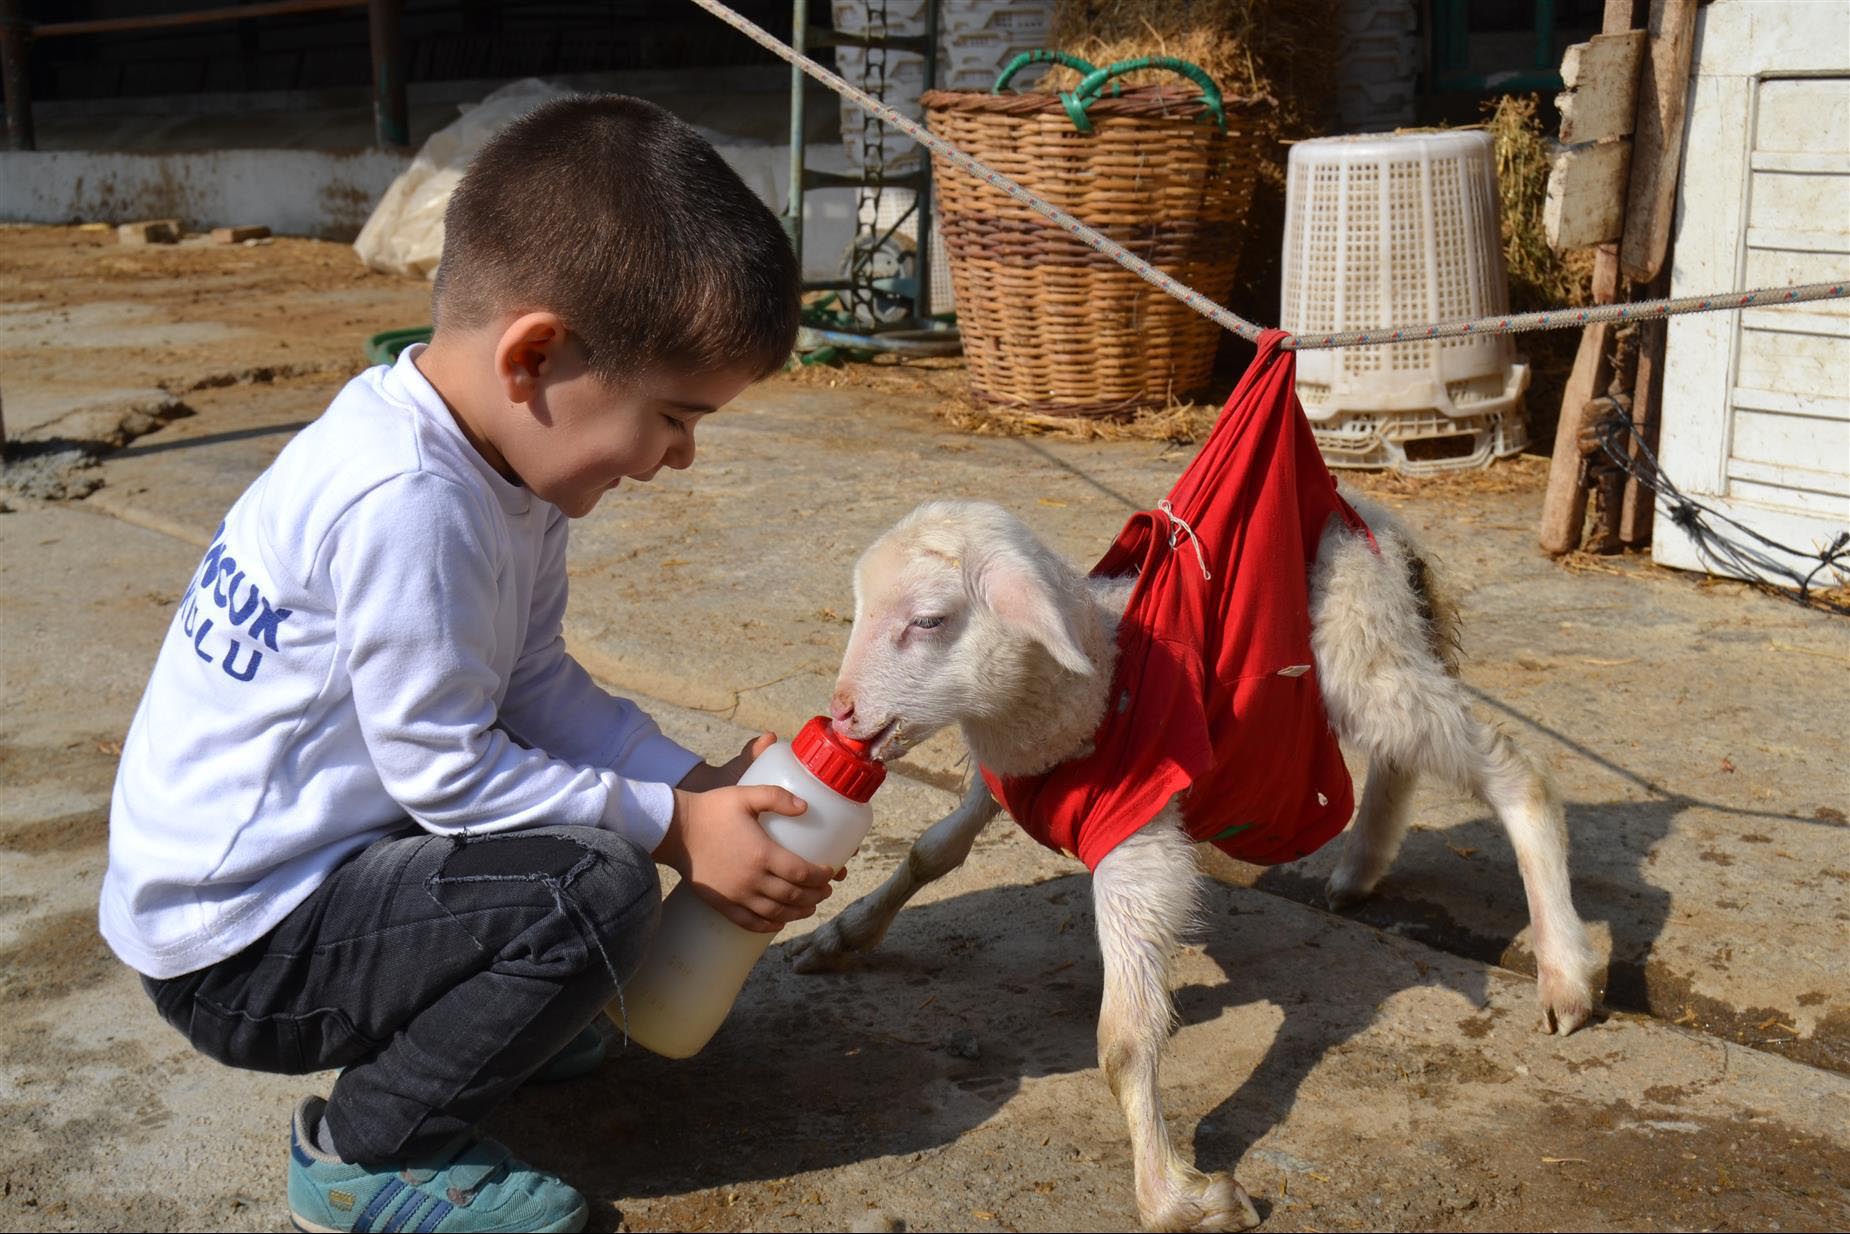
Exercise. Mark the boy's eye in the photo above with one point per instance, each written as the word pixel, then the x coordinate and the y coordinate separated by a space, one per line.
pixel 928 623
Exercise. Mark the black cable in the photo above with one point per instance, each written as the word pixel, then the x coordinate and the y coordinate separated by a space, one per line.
pixel 1745 557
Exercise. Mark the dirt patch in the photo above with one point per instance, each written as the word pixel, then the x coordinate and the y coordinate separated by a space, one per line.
pixel 1656 990
pixel 288 306
pixel 1647 987
pixel 87 765
pixel 56 1141
pixel 1582 1166
pixel 1617 1168
pixel 54 956
pixel 68 833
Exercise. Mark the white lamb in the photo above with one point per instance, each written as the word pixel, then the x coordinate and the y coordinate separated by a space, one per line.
pixel 963 617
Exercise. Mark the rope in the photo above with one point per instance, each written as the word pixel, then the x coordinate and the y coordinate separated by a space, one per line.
pixel 1553 319
pixel 1179 528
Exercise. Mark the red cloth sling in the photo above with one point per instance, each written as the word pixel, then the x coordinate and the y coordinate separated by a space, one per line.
pixel 1215 695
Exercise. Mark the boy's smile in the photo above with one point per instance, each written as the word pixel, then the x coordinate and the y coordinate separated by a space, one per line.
pixel 546 421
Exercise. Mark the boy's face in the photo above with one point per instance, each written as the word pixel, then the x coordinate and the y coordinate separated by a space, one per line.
pixel 583 436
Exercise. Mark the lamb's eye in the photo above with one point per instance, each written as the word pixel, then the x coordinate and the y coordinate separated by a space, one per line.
pixel 928 623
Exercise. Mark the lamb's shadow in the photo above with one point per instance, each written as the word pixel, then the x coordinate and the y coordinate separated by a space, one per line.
pixel 1457 888
pixel 930 1036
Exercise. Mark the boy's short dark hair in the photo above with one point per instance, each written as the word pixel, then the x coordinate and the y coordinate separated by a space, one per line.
pixel 623 220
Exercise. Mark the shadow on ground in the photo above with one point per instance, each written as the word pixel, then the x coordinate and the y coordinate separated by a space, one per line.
pixel 931 1035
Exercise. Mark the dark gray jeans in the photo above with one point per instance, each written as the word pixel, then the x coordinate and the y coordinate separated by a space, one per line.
pixel 440 972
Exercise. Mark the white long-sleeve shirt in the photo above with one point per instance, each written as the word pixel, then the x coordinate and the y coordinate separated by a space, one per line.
pixel 373 635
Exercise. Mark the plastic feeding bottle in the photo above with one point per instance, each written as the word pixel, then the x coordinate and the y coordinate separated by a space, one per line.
pixel 699 961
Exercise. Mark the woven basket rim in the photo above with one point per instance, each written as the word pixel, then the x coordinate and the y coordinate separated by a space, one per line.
pixel 1142 102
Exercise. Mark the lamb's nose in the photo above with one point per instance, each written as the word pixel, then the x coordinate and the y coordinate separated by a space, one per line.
pixel 841 706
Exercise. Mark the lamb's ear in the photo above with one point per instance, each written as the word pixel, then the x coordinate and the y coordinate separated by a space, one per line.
pixel 1015 591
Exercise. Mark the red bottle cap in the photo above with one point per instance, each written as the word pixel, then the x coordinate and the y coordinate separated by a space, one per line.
pixel 839 762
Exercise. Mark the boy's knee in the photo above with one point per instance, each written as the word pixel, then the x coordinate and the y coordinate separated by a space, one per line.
pixel 580 884
pixel 622 883
pixel 618 896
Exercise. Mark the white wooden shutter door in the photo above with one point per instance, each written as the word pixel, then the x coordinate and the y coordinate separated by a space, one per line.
pixel 1757 404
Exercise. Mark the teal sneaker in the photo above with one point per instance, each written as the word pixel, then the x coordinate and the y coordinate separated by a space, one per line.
pixel 478 1185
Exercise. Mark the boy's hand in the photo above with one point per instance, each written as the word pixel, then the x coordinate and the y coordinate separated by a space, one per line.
pixel 705 777
pixel 719 849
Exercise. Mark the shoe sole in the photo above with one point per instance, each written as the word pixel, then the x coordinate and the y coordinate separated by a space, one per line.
pixel 570 1224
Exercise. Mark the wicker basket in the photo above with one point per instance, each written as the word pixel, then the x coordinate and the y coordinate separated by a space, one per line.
pixel 1049 325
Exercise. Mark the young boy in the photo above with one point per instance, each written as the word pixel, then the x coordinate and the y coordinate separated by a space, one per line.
pixel 370 814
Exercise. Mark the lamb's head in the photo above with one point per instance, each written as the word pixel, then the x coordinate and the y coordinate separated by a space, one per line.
pixel 961 616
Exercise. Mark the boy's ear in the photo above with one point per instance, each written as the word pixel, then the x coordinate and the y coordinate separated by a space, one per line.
pixel 526 354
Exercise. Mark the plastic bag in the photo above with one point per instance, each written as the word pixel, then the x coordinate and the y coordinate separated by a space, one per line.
pixel 404 235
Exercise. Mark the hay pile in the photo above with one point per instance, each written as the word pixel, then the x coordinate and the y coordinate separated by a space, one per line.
pixel 1540 278
pixel 1279 48
pixel 1177 424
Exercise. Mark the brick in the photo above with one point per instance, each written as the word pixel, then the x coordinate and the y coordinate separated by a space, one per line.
pixel 149 231
pixel 237 235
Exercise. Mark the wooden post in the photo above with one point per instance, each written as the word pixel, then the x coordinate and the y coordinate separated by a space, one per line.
pixel 391 116
pixel 1564 508
pixel 1607 479
pixel 1639 512
pixel 1657 138
pixel 15 74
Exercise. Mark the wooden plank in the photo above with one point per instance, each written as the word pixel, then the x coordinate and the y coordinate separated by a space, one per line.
pixel 1586 195
pixel 1638 511
pixel 1807 489
pixel 1657 140
pixel 1564 508
pixel 164 21
pixel 239 234
pixel 1814 163
pixel 1618 16
pixel 1601 75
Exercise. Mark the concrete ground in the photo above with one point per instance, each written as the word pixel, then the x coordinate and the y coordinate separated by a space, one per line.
pixel 1376 1070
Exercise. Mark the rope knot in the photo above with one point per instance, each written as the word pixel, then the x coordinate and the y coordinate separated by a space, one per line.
pixel 1178 527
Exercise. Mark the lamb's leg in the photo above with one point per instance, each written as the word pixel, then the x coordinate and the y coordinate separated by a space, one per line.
pixel 861 926
pixel 1375 836
pixel 1435 731
pixel 1382 637
pixel 1144 894
pixel 1526 802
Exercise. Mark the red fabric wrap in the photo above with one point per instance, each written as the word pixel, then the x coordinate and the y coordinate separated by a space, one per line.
pixel 1216 693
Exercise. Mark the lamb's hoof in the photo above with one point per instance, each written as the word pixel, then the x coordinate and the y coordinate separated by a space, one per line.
pixel 1567 1000
pixel 824 949
pixel 1204 1202
pixel 1342 893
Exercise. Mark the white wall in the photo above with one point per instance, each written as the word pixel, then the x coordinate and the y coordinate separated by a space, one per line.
pixel 294 192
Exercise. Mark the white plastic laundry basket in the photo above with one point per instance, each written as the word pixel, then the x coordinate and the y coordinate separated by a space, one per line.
pixel 1383 231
